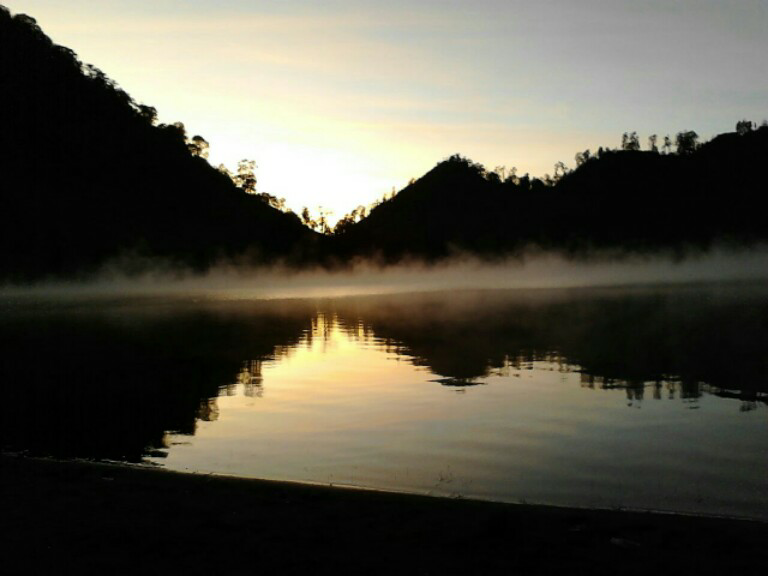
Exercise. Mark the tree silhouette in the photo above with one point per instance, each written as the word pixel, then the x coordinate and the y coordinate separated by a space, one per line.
pixel 630 141
pixel 560 170
pixel 245 178
pixel 667 144
pixel 582 157
pixel 686 142
pixel 147 113
pixel 493 176
pixel 198 146
pixel 744 126
pixel 652 139
pixel 307 220
pixel 322 221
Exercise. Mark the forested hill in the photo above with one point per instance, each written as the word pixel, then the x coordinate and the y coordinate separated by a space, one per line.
pixel 615 200
pixel 87 175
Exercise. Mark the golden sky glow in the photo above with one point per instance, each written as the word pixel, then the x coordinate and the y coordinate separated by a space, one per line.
pixel 339 101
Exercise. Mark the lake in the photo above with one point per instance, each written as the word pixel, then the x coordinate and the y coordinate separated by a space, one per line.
pixel 643 398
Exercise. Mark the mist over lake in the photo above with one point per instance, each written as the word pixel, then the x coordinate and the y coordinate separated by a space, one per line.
pixel 532 269
pixel 648 397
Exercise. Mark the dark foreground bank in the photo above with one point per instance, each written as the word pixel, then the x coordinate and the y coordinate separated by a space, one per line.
pixel 62 517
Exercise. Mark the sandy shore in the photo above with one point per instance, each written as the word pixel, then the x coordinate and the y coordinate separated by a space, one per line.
pixel 62 517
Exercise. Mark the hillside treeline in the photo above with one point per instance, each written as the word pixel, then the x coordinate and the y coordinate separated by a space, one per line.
pixel 615 200
pixel 87 174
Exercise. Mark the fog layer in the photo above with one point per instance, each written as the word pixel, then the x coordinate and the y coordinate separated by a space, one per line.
pixel 529 272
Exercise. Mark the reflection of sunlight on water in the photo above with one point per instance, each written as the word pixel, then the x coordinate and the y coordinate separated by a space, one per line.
pixel 344 406
pixel 640 397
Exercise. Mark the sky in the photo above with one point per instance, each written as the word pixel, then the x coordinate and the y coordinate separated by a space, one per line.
pixel 340 101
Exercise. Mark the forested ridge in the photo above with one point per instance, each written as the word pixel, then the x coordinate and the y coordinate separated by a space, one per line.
pixel 88 177
pixel 87 174
pixel 621 200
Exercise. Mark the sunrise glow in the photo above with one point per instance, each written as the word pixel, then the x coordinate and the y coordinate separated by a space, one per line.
pixel 339 102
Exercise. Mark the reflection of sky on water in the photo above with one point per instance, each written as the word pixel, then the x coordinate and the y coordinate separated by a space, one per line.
pixel 647 398
pixel 346 406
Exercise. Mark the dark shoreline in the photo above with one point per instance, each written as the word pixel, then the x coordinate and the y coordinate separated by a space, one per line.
pixel 89 517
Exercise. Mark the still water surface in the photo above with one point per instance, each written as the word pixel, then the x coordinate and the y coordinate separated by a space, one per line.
pixel 650 398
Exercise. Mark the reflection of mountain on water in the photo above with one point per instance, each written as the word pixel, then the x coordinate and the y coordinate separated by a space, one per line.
pixel 689 391
pixel 684 340
pixel 108 382
pixel 458 382
pixel 250 379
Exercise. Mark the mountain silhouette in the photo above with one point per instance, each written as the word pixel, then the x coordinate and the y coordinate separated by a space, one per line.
pixel 618 201
pixel 452 207
pixel 89 179
pixel 87 175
